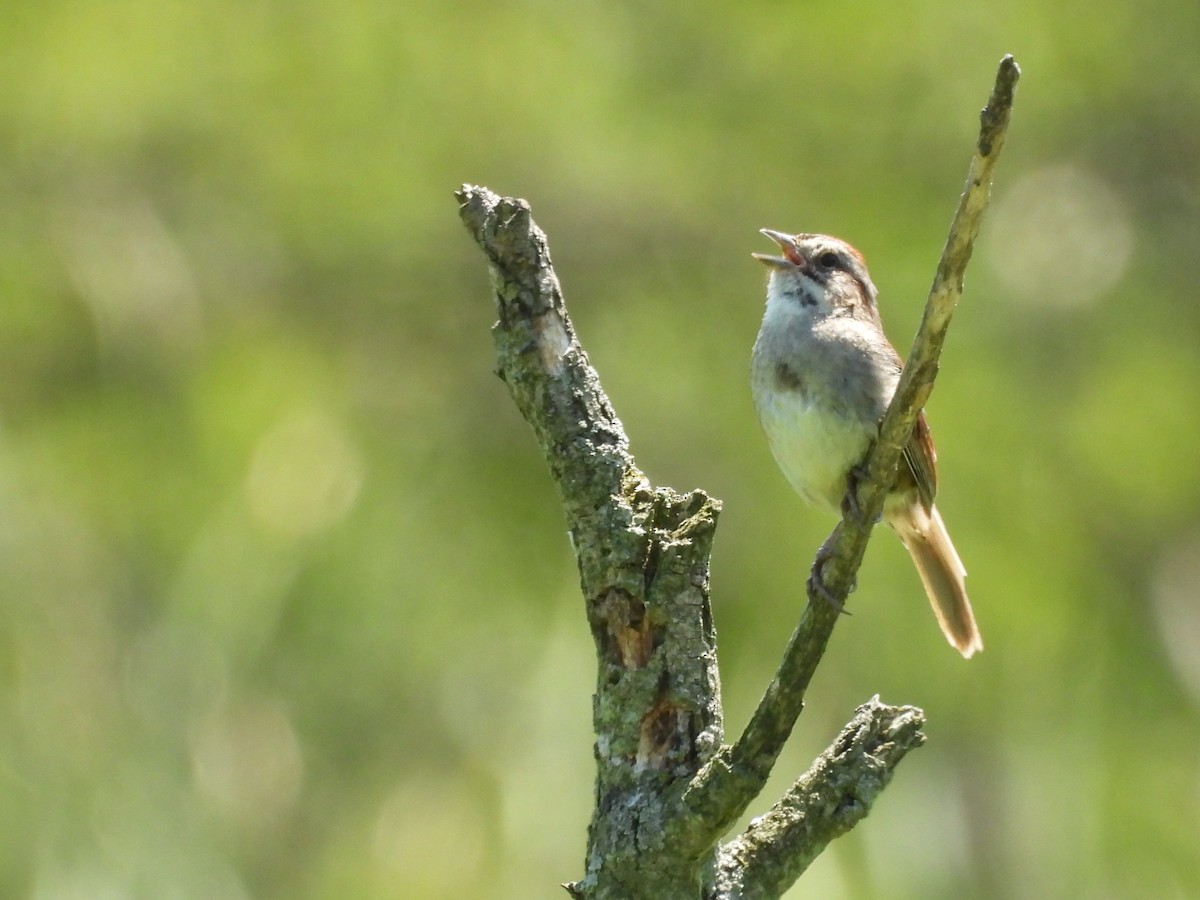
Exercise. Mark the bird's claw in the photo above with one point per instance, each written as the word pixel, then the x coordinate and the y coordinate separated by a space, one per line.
pixel 816 579
pixel 816 587
pixel 850 507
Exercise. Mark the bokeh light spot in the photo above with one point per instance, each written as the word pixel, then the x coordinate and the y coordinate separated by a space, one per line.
pixel 1174 591
pixel 304 477
pixel 428 836
pixel 247 764
pixel 1061 237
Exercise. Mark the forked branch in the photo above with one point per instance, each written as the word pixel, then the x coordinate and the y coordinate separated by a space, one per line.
pixel 667 789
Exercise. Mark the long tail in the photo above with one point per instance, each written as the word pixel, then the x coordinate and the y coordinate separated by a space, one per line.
pixel 942 573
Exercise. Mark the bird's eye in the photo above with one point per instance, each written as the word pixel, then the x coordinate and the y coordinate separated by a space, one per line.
pixel 828 260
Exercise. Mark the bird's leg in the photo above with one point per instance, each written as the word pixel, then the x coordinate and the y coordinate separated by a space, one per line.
pixel 816 579
pixel 850 508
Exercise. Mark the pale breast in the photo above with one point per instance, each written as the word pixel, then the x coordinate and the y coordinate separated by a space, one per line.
pixel 813 446
pixel 816 386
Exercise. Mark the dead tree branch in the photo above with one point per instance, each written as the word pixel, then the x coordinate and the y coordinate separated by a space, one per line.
pixel 667 788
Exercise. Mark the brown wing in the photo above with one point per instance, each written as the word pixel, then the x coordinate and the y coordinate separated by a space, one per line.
pixel 922 460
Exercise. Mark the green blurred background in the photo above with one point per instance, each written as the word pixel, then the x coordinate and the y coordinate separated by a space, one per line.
pixel 286 604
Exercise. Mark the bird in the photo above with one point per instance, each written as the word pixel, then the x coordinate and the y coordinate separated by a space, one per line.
pixel 822 375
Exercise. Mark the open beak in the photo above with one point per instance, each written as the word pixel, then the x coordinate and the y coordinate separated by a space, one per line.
pixel 790 259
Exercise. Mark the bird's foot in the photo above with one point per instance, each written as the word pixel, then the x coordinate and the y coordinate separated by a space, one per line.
pixel 850 507
pixel 816 578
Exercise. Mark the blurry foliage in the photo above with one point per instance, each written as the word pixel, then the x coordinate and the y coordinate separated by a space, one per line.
pixel 286 608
